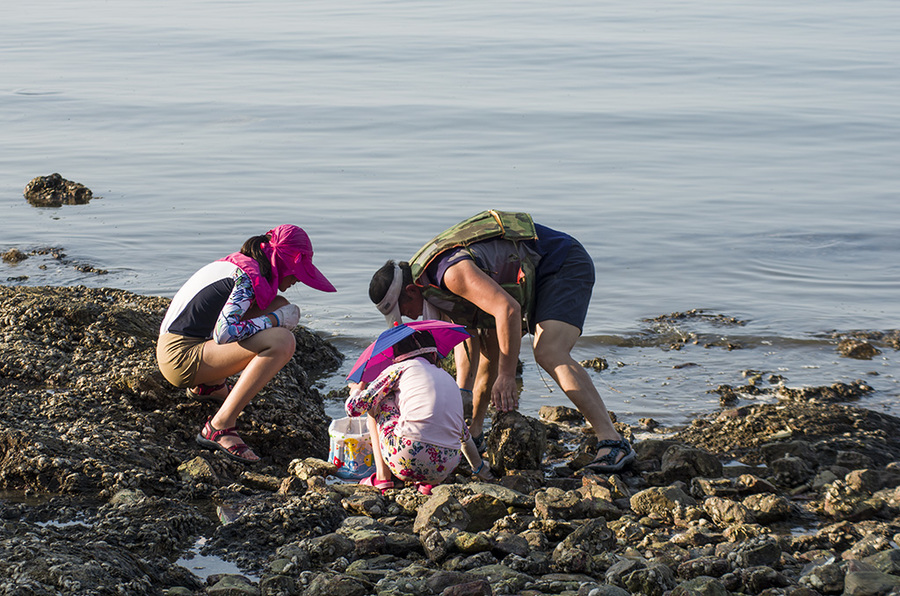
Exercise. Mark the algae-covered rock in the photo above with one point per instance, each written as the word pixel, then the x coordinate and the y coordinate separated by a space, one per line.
pixel 516 442
pixel 55 191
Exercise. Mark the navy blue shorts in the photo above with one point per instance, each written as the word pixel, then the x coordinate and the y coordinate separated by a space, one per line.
pixel 565 294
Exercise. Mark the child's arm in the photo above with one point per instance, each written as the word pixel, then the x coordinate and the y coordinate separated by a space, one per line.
pixel 365 397
pixel 479 466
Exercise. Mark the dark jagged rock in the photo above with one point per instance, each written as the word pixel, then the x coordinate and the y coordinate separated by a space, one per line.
pixel 744 433
pixel 56 191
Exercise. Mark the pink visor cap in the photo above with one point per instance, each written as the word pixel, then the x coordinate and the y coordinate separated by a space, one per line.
pixel 290 253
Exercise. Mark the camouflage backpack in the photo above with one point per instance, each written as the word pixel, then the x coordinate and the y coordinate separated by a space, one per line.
pixel 486 225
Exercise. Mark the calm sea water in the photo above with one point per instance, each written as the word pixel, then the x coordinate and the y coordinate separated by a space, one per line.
pixel 737 157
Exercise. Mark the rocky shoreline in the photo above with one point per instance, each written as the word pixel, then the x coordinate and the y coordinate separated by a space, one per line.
pixel 105 490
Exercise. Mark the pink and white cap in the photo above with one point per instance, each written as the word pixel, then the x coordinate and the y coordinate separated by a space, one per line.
pixel 290 252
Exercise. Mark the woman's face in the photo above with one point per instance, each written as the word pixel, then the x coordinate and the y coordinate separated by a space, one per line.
pixel 287 282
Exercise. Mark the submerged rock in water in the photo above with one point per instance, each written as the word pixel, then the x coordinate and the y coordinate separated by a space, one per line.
pixel 56 191
pixel 13 256
pixel 859 349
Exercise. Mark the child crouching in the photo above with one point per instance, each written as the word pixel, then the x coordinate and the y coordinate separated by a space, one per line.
pixel 415 418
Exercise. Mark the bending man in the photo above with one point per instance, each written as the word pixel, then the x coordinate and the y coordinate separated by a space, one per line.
pixel 502 275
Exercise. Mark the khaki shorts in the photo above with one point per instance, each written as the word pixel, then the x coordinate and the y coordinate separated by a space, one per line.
pixel 179 358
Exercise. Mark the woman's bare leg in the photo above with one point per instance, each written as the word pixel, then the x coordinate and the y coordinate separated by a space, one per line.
pixel 252 312
pixel 258 359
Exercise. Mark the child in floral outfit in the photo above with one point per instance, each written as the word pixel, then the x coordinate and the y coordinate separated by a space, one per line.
pixel 416 419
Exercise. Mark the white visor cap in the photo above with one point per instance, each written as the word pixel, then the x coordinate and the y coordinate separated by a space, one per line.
pixel 390 304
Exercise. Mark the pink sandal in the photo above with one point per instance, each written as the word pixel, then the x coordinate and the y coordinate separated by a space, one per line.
pixel 423 488
pixel 373 481
pixel 206 392
pixel 209 438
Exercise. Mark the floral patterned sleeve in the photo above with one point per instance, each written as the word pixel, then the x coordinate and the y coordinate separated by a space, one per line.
pixel 230 326
pixel 360 403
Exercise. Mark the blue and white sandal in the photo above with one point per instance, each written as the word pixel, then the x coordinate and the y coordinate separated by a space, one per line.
pixel 607 463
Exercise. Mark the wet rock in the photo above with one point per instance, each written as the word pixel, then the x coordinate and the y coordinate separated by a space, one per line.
pixel 757 552
pixel 118 443
pixel 648 424
pixel 791 471
pixel 858 349
pixel 555 503
pixel 654 580
pixel 603 590
pixel 574 554
pixel 696 536
pixel 198 469
pixel 842 501
pixel 863 580
pixel 870 544
pixel 483 511
pixel 327 547
pixel 701 586
pixel 503 580
pixel 748 483
pixel 279 585
pixel 441 580
pixel 516 442
pixel 55 191
pixel 661 502
pixel 872 481
pixel 835 428
pixel 768 508
pixel 410 580
pixel 706 566
pixel 887 561
pixel 837 392
pixel 598 364
pixel 852 460
pixel 442 511
pixel 827 577
pixel 726 512
pixel 13 256
pixel 337 584
pixel 474 588
pixel 233 585
pixel 469 562
pixel 617 572
pixel 650 450
pixel 310 467
pixel 470 543
pixel 560 414
pixel 506 543
pixel 797 449
pixel 755 580
pixel 436 543
pixel 365 502
pixel 681 462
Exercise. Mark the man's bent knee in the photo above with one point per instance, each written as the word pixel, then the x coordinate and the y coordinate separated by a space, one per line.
pixel 549 357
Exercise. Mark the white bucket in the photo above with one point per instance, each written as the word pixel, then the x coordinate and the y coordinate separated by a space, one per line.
pixel 350 448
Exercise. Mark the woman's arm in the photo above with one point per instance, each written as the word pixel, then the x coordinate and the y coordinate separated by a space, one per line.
pixel 230 326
